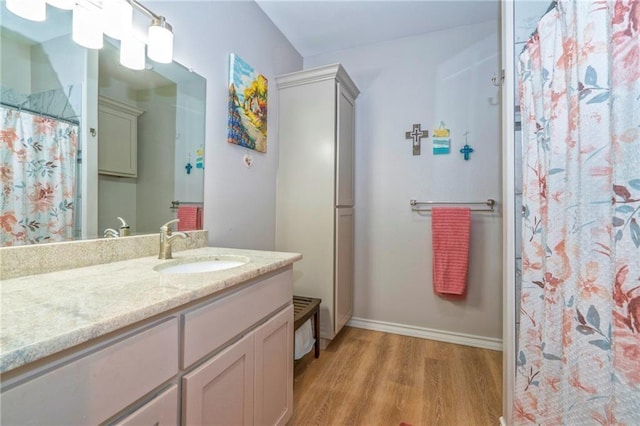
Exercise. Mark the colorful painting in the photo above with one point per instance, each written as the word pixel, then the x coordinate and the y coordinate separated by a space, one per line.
pixel 247 106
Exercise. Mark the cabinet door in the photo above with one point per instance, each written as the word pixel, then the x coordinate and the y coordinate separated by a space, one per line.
pixel 220 392
pixel 160 411
pixel 117 138
pixel 274 370
pixel 343 281
pixel 214 324
pixel 344 150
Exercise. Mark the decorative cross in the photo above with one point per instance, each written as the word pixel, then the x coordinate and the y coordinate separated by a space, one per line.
pixel 416 134
pixel 188 167
pixel 466 149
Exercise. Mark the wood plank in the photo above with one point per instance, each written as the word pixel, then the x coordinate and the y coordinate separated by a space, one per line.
pixel 372 378
pixel 304 307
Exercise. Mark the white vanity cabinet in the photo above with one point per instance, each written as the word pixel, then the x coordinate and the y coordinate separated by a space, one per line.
pixel 251 381
pixel 222 359
pixel 117 138
pixel 94 384
pixel 160 411
pixel 221 390
pixel 273 395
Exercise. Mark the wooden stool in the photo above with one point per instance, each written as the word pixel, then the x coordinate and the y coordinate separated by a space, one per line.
pixel 303 308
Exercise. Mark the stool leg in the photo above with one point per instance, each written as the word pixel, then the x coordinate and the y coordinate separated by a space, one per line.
pixel 316 326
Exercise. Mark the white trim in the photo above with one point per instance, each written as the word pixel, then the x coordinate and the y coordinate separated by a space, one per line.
pixel 508 212
pixel 311 75
pixel 427 333
pixel 502 422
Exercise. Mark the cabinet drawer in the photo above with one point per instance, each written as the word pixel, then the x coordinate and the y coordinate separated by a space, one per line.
pixel 160 411
pixel 94 387
pixel 210 326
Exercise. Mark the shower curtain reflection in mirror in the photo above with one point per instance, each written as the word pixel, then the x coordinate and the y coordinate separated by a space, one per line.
pixel 38 174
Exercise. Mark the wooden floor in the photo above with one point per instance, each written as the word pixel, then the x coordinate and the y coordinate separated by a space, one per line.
pixel 372 378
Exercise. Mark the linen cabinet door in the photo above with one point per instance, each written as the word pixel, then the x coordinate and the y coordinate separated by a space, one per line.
pixel 343 281
pixel 274 370
pixel 220 392
pixel 344 149
pixel 117 138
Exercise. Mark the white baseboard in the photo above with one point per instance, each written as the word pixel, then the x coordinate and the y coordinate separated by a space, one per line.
pixel 502 422
pixel 428 333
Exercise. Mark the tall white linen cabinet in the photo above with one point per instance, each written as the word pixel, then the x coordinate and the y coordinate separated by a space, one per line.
pixel 315 195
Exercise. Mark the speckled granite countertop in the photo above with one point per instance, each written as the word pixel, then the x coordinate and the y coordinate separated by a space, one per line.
pixel 44 314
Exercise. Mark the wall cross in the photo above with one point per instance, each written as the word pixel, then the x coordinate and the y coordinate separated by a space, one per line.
pixel 466 149
pixel 416 134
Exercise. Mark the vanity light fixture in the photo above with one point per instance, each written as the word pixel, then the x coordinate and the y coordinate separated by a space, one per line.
pixel 118 18
pixel 160 41
pixel 159 37
pixel 33 10
pixel 86 25
pixel 92 18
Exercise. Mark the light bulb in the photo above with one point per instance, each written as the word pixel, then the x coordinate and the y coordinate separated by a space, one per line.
pixel 160 41
pixel 33 10
pixel 132 53
pixel 87 25
pixel 62 4
pixel 117 17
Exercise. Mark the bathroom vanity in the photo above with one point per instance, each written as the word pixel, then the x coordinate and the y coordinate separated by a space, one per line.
pixel 124 343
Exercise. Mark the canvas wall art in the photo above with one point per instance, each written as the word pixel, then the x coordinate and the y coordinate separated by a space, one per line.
pixel 247 124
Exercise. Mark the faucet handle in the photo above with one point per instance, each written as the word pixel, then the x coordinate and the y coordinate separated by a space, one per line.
pixel 110 233
pixel 167 226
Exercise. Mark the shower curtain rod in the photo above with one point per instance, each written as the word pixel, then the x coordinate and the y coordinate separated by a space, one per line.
pixel 18 108
pixel 490 203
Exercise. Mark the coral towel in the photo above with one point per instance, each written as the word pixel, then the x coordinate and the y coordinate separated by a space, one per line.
pixel 188 216
pixel 450 228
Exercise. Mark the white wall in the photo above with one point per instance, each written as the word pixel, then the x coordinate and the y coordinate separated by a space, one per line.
pixel 425 79
pixel 156 157
pixel 239 202
pixel 116 198
pixel 16 73
pixel 59 64
pixel 190 134
pixel 116 195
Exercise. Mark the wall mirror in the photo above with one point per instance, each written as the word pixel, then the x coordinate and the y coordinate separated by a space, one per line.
pixel 107 141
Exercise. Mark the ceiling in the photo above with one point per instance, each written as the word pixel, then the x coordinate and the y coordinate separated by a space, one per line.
pixel 315 27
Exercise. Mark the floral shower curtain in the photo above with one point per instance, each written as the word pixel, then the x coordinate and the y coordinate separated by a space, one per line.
pixel 579 343
pixel 38 175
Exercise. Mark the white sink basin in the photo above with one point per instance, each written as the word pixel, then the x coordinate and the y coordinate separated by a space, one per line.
pixel 206 264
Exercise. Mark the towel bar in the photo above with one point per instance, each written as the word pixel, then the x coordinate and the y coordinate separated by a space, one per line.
pixel 490 203
pixel 176 204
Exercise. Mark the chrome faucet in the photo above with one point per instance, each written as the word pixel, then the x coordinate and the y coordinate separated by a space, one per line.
pixel 110 233
pixel 167 238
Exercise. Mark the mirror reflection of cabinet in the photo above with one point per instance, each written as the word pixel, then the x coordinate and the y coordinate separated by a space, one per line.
pixel 117 138
pixel 53 76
